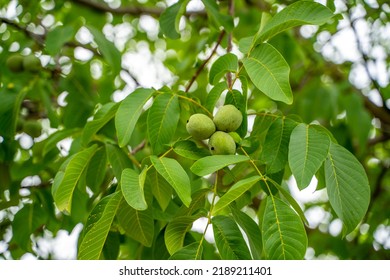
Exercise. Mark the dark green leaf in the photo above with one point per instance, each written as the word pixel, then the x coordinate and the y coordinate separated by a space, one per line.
pixel 347 186
pixel 284 236
pixel 229 240
pixel 224 64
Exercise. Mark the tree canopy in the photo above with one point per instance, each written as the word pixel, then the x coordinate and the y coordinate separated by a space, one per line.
pixel 95 97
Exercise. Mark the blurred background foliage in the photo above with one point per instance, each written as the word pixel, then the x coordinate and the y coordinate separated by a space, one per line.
pixel 93 52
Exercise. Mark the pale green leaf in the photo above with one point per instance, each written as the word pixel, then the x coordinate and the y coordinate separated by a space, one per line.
pixel 162 121
pixel 308 149
pixel 98 226
pixel 129 112
pixel 229 240
pixel 192 251
pixel 236 191
pixel 139 225
pixel 210 164
pixel 175 175
pixel 275 148
pixel 76 167
pixel 347 186
pixel 269 72
pixel 176 231
pixel 133 190
pixel 92 127
pixel 284 236
pixel 298 13
pixel 225 63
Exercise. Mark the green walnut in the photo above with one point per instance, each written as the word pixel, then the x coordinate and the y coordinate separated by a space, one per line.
pixel 200 126
pixel 228 118
pixel 31 63
pixel 32 128
pixel 221 143
pixel 15 63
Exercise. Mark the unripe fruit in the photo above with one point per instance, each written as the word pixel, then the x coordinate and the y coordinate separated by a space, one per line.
pixel 228 118
pixel 15 63
pixel 221 143
pixel 31 63
pixel 200 126
pixel 32 128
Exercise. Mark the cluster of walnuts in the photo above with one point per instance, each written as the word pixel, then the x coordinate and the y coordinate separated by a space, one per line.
pixel 220 130
pixel 18 63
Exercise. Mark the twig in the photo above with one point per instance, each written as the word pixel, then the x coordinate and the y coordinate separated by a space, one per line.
pixel 131 10
pixel 230 43
pixel 199 70
pixel 365 58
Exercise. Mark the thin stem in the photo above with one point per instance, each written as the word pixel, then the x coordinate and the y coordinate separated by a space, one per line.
pixel 230 43
pixel 202 66
pixel 209 216
pixel 131 10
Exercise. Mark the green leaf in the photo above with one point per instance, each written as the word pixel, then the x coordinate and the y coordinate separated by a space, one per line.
pixel 98 226
pixel 108 49
pixel 269 72
pixel 53 139
pixel 57 37
pixel 161 189
pixel 214 95
pixel 347 186
pixel 251 230
pixel 162 121
pixel 236 191
pixel 175 175
pixel 139 225
pixel 294 204
pixel 299 13
pixel 229 240
pixel 308 149
pixel 76 167
pixel 97 169
pixel 224 64
pixel 283 233
pixel 176 232
pixel 210 164
pixel 25 222
pixel 189 149
pixel 129 112
pixel 192 251
pixel 118 159
pixel 133 189
pixel 92 127
pixel 170 19
pixel 221 20
pixel 275 148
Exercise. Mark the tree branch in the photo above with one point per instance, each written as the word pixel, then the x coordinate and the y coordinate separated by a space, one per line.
pixel 130 10
pixel 197 73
